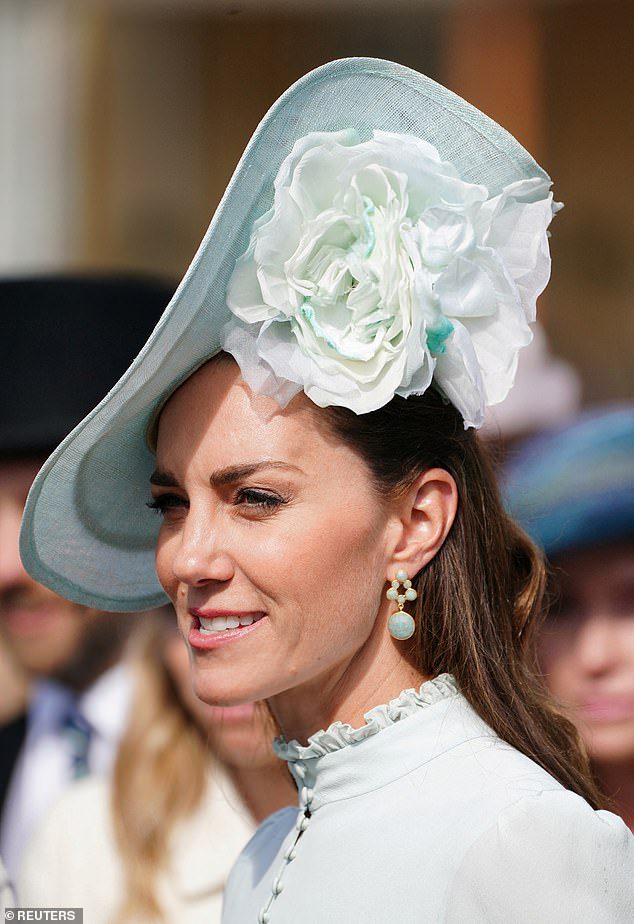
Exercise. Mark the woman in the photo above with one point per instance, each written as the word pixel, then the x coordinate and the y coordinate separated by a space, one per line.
pixel 330 532
pixel 189 782
pixel 582 517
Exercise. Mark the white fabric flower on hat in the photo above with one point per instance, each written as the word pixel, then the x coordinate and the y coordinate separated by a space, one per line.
pixel 378 268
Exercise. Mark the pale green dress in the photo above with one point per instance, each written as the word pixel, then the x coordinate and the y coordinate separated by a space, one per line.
pixel 424 815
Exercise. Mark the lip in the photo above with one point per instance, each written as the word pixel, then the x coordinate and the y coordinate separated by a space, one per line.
pixel 608 708
pixel 209 614
pixel 204 642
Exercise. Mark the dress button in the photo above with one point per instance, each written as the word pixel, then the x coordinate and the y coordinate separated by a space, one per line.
pixel 290 853
pixel 264 917
pixel 278 885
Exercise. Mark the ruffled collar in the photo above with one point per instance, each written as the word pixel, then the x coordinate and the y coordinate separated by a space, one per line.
pixel 340 734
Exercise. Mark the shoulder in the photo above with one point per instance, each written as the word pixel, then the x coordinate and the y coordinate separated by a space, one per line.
pixel 76 833
pixel 268 836
pixel 547 853
pixel 83 804
pixel 204 845
pixel 256 858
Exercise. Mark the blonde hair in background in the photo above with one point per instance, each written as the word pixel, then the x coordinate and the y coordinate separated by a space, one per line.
pixel 160 775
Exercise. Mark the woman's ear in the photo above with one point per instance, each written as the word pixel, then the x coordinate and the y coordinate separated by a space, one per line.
pixel 426 513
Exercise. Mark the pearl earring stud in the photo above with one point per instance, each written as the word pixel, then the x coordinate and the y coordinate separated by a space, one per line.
pixel 400 624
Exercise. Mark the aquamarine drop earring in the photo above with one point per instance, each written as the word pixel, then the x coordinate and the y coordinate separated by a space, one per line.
pixel 400 624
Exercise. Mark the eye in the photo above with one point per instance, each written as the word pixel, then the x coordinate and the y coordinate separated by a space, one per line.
pixel 257 499
pixel 165 502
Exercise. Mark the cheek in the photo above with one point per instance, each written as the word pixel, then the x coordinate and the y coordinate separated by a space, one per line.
pixel 333 536
pixel 552 645
pixel 163 556
pixel 326 573
pixel 556 655
pixel 625 642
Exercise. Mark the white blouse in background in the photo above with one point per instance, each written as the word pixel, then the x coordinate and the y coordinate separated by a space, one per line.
pixel 73 859
pixel 422 816
pixel 43 770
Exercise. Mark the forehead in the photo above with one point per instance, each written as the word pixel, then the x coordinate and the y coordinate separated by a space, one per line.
pixel 606 563
pixel 215 413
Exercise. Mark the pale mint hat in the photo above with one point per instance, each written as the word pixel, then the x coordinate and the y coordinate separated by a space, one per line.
pixel 87 533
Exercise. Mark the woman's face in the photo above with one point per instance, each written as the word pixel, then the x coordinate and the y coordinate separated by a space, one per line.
pixel 270 521
pixel 587 647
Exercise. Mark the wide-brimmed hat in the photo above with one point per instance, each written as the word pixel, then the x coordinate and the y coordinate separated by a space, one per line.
pixel 87 532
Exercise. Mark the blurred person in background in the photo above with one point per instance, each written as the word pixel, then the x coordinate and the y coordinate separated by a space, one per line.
pixel 572 489
pixel 7 895
pixel 14 684
pixel 14 692
pixel 156 842
pixel 71 657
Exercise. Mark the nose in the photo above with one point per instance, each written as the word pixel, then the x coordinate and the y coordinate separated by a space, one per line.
pixel 597 645
pixel 200 558
pixel 11 569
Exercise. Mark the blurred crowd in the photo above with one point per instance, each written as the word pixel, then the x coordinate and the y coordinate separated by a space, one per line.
pixel 109 763
pixel 120 792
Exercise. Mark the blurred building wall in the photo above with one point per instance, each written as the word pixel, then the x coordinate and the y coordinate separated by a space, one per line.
pixel 589 85
pixel 41 93
pixel 121 124
pixel 175 100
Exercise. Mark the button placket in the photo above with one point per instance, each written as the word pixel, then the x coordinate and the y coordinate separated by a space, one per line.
pixel 304 815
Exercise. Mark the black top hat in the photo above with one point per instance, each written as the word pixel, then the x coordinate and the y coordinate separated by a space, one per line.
pixel 66 341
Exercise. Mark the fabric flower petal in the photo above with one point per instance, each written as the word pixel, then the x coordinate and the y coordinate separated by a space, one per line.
pixel 378 269
pixel 459 376
pixel 244 292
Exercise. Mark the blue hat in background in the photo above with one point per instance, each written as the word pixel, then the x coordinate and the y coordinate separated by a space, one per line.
pixel 572 488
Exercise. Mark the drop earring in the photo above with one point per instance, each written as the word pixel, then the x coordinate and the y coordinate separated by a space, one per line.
pixel 400 624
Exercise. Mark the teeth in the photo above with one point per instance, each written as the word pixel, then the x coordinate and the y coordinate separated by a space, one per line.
pixel 220 623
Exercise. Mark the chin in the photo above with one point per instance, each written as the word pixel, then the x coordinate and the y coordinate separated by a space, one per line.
pixel 231 690
pixel 230 677
pixel 611 745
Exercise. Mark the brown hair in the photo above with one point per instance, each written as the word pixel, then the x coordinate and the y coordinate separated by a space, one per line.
pixel 159 777
pixel 480 598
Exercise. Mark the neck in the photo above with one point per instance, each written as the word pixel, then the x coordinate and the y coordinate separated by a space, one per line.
pixel 617 782
pixel 264 790
pixel 377 673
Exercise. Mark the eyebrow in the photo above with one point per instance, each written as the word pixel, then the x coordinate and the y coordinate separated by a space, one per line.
pixel 224 476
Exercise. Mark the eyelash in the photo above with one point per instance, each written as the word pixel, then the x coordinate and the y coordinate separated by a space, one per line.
pixel 265 502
